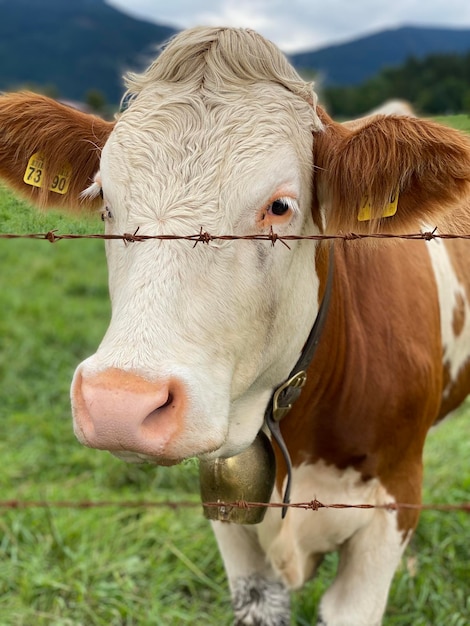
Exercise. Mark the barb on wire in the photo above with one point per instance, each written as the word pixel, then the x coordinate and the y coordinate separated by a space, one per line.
pixel 316 505
pixel 204 237
pixel 312 505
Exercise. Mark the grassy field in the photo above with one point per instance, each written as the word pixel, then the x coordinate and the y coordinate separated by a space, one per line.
pixel 461 122
pixel 121 566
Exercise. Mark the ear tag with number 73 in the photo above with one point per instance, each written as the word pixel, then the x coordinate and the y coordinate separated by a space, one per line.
pixel 36 173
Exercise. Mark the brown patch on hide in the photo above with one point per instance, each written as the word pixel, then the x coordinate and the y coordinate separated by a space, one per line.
pixel 374 386
pixel 428 163
pixel 458 318
pixel 31 123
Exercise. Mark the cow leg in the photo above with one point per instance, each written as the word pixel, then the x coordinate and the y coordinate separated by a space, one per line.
pixel 259 598
pixel 367 564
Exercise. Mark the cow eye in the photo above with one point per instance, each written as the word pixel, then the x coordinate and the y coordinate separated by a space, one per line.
pixel 278 211
pixel 279 207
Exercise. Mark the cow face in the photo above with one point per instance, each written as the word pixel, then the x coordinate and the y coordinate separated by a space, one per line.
pixel 199 336
pixel 222 135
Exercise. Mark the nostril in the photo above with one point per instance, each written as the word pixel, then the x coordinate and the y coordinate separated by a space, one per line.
pixel 168 402
pixel 154 418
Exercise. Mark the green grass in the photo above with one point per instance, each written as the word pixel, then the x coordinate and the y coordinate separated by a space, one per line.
pixel 461 122
pixel 135 567
pixel 99 566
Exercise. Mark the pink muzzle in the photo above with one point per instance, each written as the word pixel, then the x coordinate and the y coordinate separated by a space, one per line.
pixel 120 411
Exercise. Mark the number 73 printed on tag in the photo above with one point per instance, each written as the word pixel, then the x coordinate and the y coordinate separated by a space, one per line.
pixel 35 174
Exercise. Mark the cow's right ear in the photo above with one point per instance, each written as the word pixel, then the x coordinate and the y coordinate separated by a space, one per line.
pixel 49 152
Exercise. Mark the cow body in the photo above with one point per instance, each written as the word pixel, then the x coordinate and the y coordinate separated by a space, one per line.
pixel 221 134
pixel 392 362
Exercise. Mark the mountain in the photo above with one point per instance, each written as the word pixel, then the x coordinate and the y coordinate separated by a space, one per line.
pixel 79 46
pixel 75 45
pixel 356 61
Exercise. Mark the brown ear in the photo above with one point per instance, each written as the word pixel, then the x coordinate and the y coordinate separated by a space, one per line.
pixel 66 145
pixel 427 164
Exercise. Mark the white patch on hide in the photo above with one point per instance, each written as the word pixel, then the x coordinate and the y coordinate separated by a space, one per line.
pixel 295 546
pixel 368 562
pixel 369 542
pixel 451 294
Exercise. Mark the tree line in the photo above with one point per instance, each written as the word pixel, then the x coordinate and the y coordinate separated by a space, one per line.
pixel 435 85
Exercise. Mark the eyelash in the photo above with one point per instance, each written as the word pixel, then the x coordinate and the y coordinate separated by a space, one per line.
pixel 278 210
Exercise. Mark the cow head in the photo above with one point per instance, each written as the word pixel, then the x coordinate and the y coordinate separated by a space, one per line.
pixel 219 134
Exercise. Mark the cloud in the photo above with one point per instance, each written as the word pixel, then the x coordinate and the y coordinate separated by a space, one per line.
pixel 302 24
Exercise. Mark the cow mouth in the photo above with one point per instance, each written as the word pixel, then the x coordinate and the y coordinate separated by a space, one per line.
pixel 138 458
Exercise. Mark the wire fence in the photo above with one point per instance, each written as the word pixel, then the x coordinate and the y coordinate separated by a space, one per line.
pixel 53 236
pixel 312 505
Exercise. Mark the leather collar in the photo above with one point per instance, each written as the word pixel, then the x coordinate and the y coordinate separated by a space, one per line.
pixel 288 392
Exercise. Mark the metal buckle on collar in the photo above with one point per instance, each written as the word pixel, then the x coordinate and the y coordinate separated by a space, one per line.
pixel 282 400
pixel 287 392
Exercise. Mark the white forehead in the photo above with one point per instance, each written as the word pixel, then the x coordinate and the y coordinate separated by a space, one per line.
pixel 203 128
pixel 191 148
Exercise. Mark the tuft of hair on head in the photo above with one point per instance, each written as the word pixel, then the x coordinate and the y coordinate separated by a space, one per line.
pixel 220 56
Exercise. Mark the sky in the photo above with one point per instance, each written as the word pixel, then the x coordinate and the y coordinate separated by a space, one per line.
pixel 296 25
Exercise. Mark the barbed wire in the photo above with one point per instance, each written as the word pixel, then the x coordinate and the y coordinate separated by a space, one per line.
pixel 53 236
pixel 312 505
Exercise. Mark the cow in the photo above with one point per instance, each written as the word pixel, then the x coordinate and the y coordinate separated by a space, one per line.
pixel 395 106
pixel 221 135
pixel 389 107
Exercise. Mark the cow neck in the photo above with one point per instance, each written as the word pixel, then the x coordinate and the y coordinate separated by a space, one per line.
pixel 288 392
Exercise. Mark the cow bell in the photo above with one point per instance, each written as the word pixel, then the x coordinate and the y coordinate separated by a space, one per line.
pixel 248 476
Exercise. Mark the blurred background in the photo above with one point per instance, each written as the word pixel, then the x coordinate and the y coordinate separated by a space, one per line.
pixel 359 54
pixel 137 564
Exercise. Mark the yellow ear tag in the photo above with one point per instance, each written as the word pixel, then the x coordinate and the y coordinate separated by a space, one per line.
pixel 36 172
pixel 365 210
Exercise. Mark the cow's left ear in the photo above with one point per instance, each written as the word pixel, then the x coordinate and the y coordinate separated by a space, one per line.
pixel 392 173
pixel 49 152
